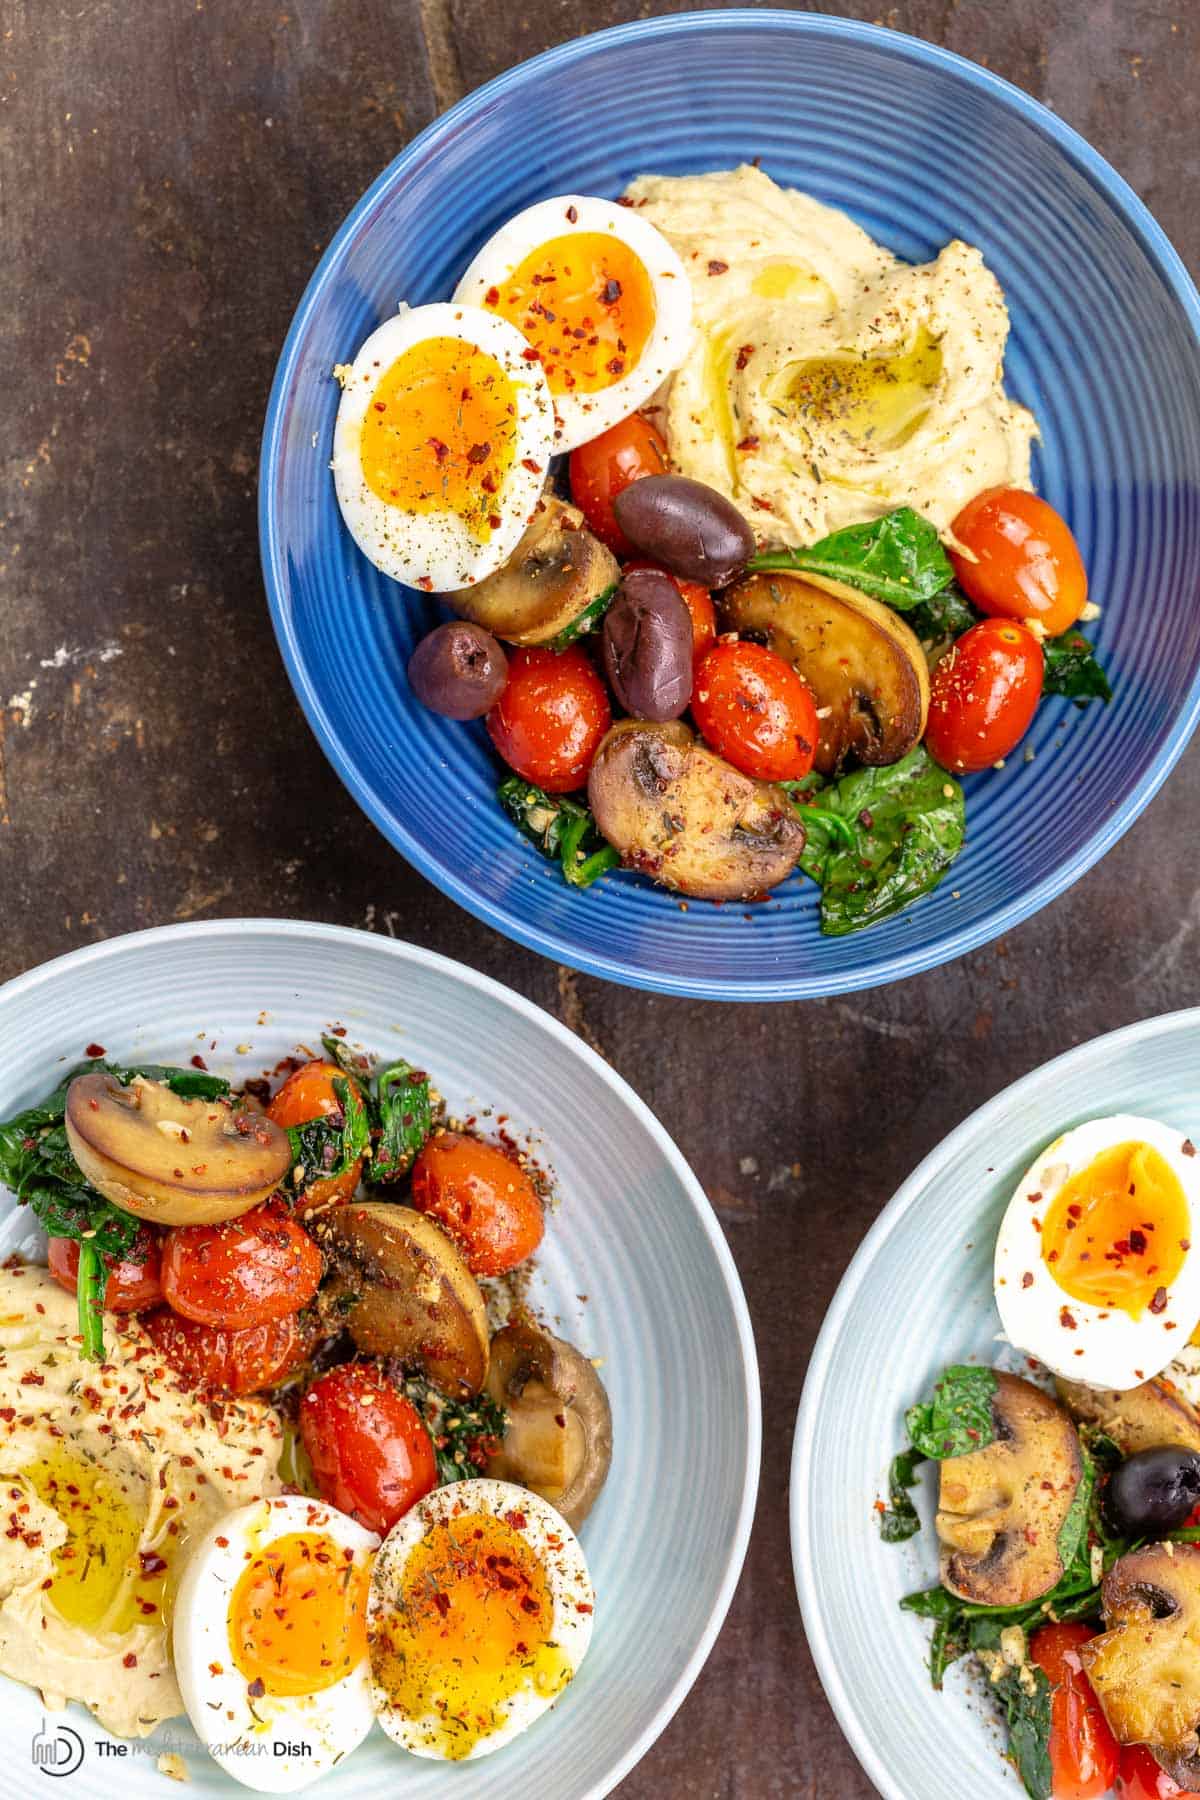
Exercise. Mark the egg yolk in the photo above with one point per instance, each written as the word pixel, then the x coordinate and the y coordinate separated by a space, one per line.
pixel 440 433
pixel 586 304
pixel 1117 1232
pixel 470 1628
pixel 298 1615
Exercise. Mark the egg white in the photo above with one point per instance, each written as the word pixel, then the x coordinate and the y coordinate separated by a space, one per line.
pixel 328 1724
pixel 1103 1347
pixel 584 416
pixel 436 551
pixel 567 1578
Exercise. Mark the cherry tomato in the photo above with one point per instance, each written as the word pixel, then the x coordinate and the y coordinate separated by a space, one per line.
pixel 699 603
pixel 241 1362
pixel 370 1451
pixel 1027 565
pixel 549 721
pixel 983 695
pixel 755 711
pixel 482 1197
pixel 604 467
pixel 1141 1778
pixel 133 1280
pixel 309 1094
pixel 1083 1751
pixel 244 1271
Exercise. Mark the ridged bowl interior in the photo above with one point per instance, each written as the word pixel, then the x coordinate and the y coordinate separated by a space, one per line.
pixel 918 1296
pixel 633 1234
pixel 919 147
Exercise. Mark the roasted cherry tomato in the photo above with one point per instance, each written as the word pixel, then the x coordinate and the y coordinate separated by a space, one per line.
pixel 1141 1778
pixel 244 1271
pixel 133 1280
pixel 1083 1751
pixel 549 721
pixel 240 1362
pixel 371 1454
pixel 309 1094
pixel 754 710
pixel 1023 562
pixel 482 1197
pixel 983 695
pixel 604 467
pixel 699 603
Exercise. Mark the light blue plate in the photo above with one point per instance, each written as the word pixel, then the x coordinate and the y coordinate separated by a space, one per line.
pixel 920 147
pixel 634 1233
pixel 917 1296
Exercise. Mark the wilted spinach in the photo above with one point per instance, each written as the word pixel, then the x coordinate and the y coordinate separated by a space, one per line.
pixel 563 830
pixel 958 1419
pixel 897 558
pixel 1071 668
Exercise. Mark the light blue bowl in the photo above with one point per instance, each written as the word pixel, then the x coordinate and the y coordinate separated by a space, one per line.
pixel 918 1296
pixel 634 1233
pixel 920 147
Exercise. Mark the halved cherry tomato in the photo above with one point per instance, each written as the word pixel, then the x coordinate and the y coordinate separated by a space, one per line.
pixel 1024 563
pixel 983 695
pixel 754 710
pixel 133 1279
pixel 602 468
pixel 699 603
pixel 1141 1778
pixel 482 1197
pixel 244 1271
pixel 549 721
pixel 240 1362
pixel 1083 1751
pixel 370 1451
pixel 307 1094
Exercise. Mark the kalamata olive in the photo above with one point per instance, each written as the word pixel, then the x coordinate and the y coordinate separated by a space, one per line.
pixel 1153 1492
pixel 459 670
pixel 690 529
pixel 648 646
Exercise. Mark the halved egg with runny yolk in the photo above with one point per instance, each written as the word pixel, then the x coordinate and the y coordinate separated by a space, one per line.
pixel 298 1617
pixel 600 297
pixel 1095 1271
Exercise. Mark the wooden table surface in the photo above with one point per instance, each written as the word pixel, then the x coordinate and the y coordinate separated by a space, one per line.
pixel 169 173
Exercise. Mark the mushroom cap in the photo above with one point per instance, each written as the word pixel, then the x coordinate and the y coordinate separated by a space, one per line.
pixel 1140 1418
pixel 1144 1668
pixel 559 1437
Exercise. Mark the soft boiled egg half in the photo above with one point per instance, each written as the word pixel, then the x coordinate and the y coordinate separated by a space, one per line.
pixel 1095 1274
pixel 441 444
pixel 270 1641
pixel 480 1613
pixel 601 297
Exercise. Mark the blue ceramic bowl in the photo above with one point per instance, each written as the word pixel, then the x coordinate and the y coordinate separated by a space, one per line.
pixel 920 147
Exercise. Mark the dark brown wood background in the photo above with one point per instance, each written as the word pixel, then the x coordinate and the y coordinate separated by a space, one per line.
pixel 169 172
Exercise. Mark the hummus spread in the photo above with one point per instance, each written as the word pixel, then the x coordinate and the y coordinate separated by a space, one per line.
pixel 105 1471
pixel 827 382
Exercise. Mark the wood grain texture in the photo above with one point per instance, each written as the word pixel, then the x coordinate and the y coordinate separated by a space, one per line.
pixel 168 175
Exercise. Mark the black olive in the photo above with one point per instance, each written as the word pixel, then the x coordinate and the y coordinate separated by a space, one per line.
pixel 648 646
pixel 690 529
pixel 459 670
pixel 1153 1492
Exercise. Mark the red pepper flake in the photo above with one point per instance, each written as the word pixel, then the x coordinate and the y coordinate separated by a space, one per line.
pixel 762 505
pixel 492 297
pixel 1188 1148
pixel 198 1062
pixel 256 1689
pixel 425 583
pixel 527 462
pixel 1137 1242
pixel 515 1519
pixel 495 521
pixel 611 292
pixel 1066 1319
pixel 743 357
pixel 442 1602
pixel 748 443
pixel 615 365
pixel 441 451
pixel 152 1563
pixel 573 214
pixel 583 1607
pixel 129 1660
pixel 1027 1279
pixel 479 453
pixel 717 268
pixel 31 1378
pixel 529 355
pixel 1159 1302
pixel 95 1050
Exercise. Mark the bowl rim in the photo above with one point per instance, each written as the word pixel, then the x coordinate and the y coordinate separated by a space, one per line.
pixel 317 932
pixel 906 1199
pixel 508 919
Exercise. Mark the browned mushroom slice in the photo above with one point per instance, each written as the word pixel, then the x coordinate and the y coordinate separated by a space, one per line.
pixel 555 573
pixel 559 1436
pixel 174 1160
pixel 402 1290
pixel 1144 1667
pixel 1001 1508
pixel 1140 1418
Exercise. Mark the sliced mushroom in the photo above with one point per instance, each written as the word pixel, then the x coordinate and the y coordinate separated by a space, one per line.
pixel 1140 1418
pixel 864 665
pixel 677 812
pixel 1144 1667
pixel 174 1160
pixel 1001 1508
pixel 555 572
pixel 559 1437
pixel 402 1289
